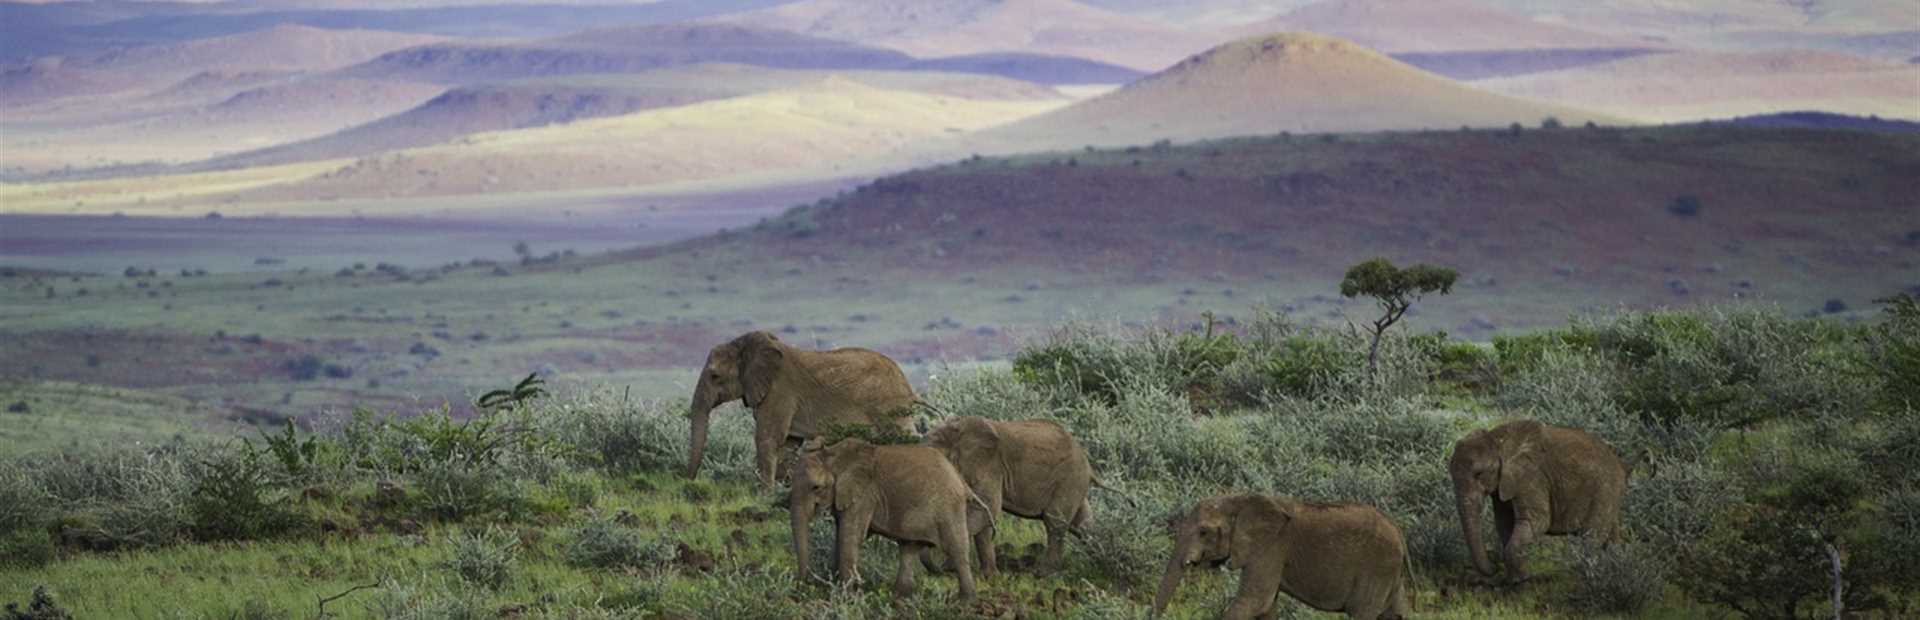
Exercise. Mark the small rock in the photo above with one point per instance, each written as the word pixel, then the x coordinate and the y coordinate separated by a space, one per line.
pixel 1678 287
pixel 693 559
pixel 19 407
pixel 1834 306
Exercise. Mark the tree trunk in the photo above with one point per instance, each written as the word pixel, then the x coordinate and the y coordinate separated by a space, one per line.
pixel 1839 582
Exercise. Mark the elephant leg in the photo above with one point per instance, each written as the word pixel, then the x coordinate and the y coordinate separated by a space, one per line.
pixel 983 552
pixel 1503 523
pixel 769 435
pixel 852 530
pixel 1517 549
pixel 1255 598
pixel 933 567
pixel 789 455
pixel 953 540
pixel 1056 540
pixel 910 554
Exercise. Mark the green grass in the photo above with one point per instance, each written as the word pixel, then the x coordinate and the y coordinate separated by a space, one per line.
pixel 70 416
pixel 217 580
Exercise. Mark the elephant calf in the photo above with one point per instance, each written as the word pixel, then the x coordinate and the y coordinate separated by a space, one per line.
pixel 1029 468
pixel 907 493
pixel 1333 557
pixel 1543 480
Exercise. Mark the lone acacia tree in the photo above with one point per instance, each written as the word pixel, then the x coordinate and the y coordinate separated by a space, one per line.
pixel 1395 289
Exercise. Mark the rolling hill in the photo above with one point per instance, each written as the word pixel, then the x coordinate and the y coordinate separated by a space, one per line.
pixel 284 48
pixel 1295 82
pixel 546 101
pixel 626 49
pixel 935 28
pixel 1396 26
pixel 836 127
pixel 1700 85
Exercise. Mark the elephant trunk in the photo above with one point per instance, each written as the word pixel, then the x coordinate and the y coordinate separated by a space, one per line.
pixel 1176 567
pixel 698 419
pixel 1469 499
pixel 801 507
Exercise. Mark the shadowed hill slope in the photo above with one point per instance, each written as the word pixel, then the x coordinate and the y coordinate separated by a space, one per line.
pixel 283 48
pixel 625 49
pixel 1543 224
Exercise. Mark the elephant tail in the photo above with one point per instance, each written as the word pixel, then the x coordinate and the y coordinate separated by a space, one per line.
pixel 986 509
pixel 930 407
pixel 1411 587
pixel 1123 494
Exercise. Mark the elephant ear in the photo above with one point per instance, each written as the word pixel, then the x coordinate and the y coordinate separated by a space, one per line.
pixel 1520 470
pixel 1256 520
pixel 979 443
pixel 852 463
pixel 761 359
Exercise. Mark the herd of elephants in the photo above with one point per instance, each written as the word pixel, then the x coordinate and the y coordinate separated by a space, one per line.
pixel 1344 557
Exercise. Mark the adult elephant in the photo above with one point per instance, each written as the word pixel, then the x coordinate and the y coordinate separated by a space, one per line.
pixel 794 394
pixel 1345 558
pixel 1028 468
pixel 1544 480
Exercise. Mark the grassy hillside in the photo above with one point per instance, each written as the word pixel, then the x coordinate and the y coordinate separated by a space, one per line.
pixel 567 508
pixel 955 262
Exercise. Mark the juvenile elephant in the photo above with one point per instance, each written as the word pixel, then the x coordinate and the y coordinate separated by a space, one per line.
pixel 1029 468
pixel 1543 480
pixel 1333 557
pixel 794 393
pixel 907 493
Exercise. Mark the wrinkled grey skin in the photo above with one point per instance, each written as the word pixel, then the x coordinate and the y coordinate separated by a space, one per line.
pixel 1332 557
pixel 794 394
pixel 1031 468
pixel 1543 480
pixel 907 493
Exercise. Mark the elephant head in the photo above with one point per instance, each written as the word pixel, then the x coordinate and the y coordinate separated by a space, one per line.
pixel 1503 462
pixel 1222 530
pixel 741 369
pixel 824 476
pixel 970 442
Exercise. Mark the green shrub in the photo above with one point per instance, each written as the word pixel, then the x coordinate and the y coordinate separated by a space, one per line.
pixel 626 436
pixel 605 544
pixel 750 595
pixel 232 497
pixel 24 505
pixel 1619 578
pixel 1128 543
pixel 484 558
pixel 1893 347
pixel 1312 367
pixel 1091 361
pixel 1469 366
pixel 427 600
pixel 40 606
pixel 455 489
